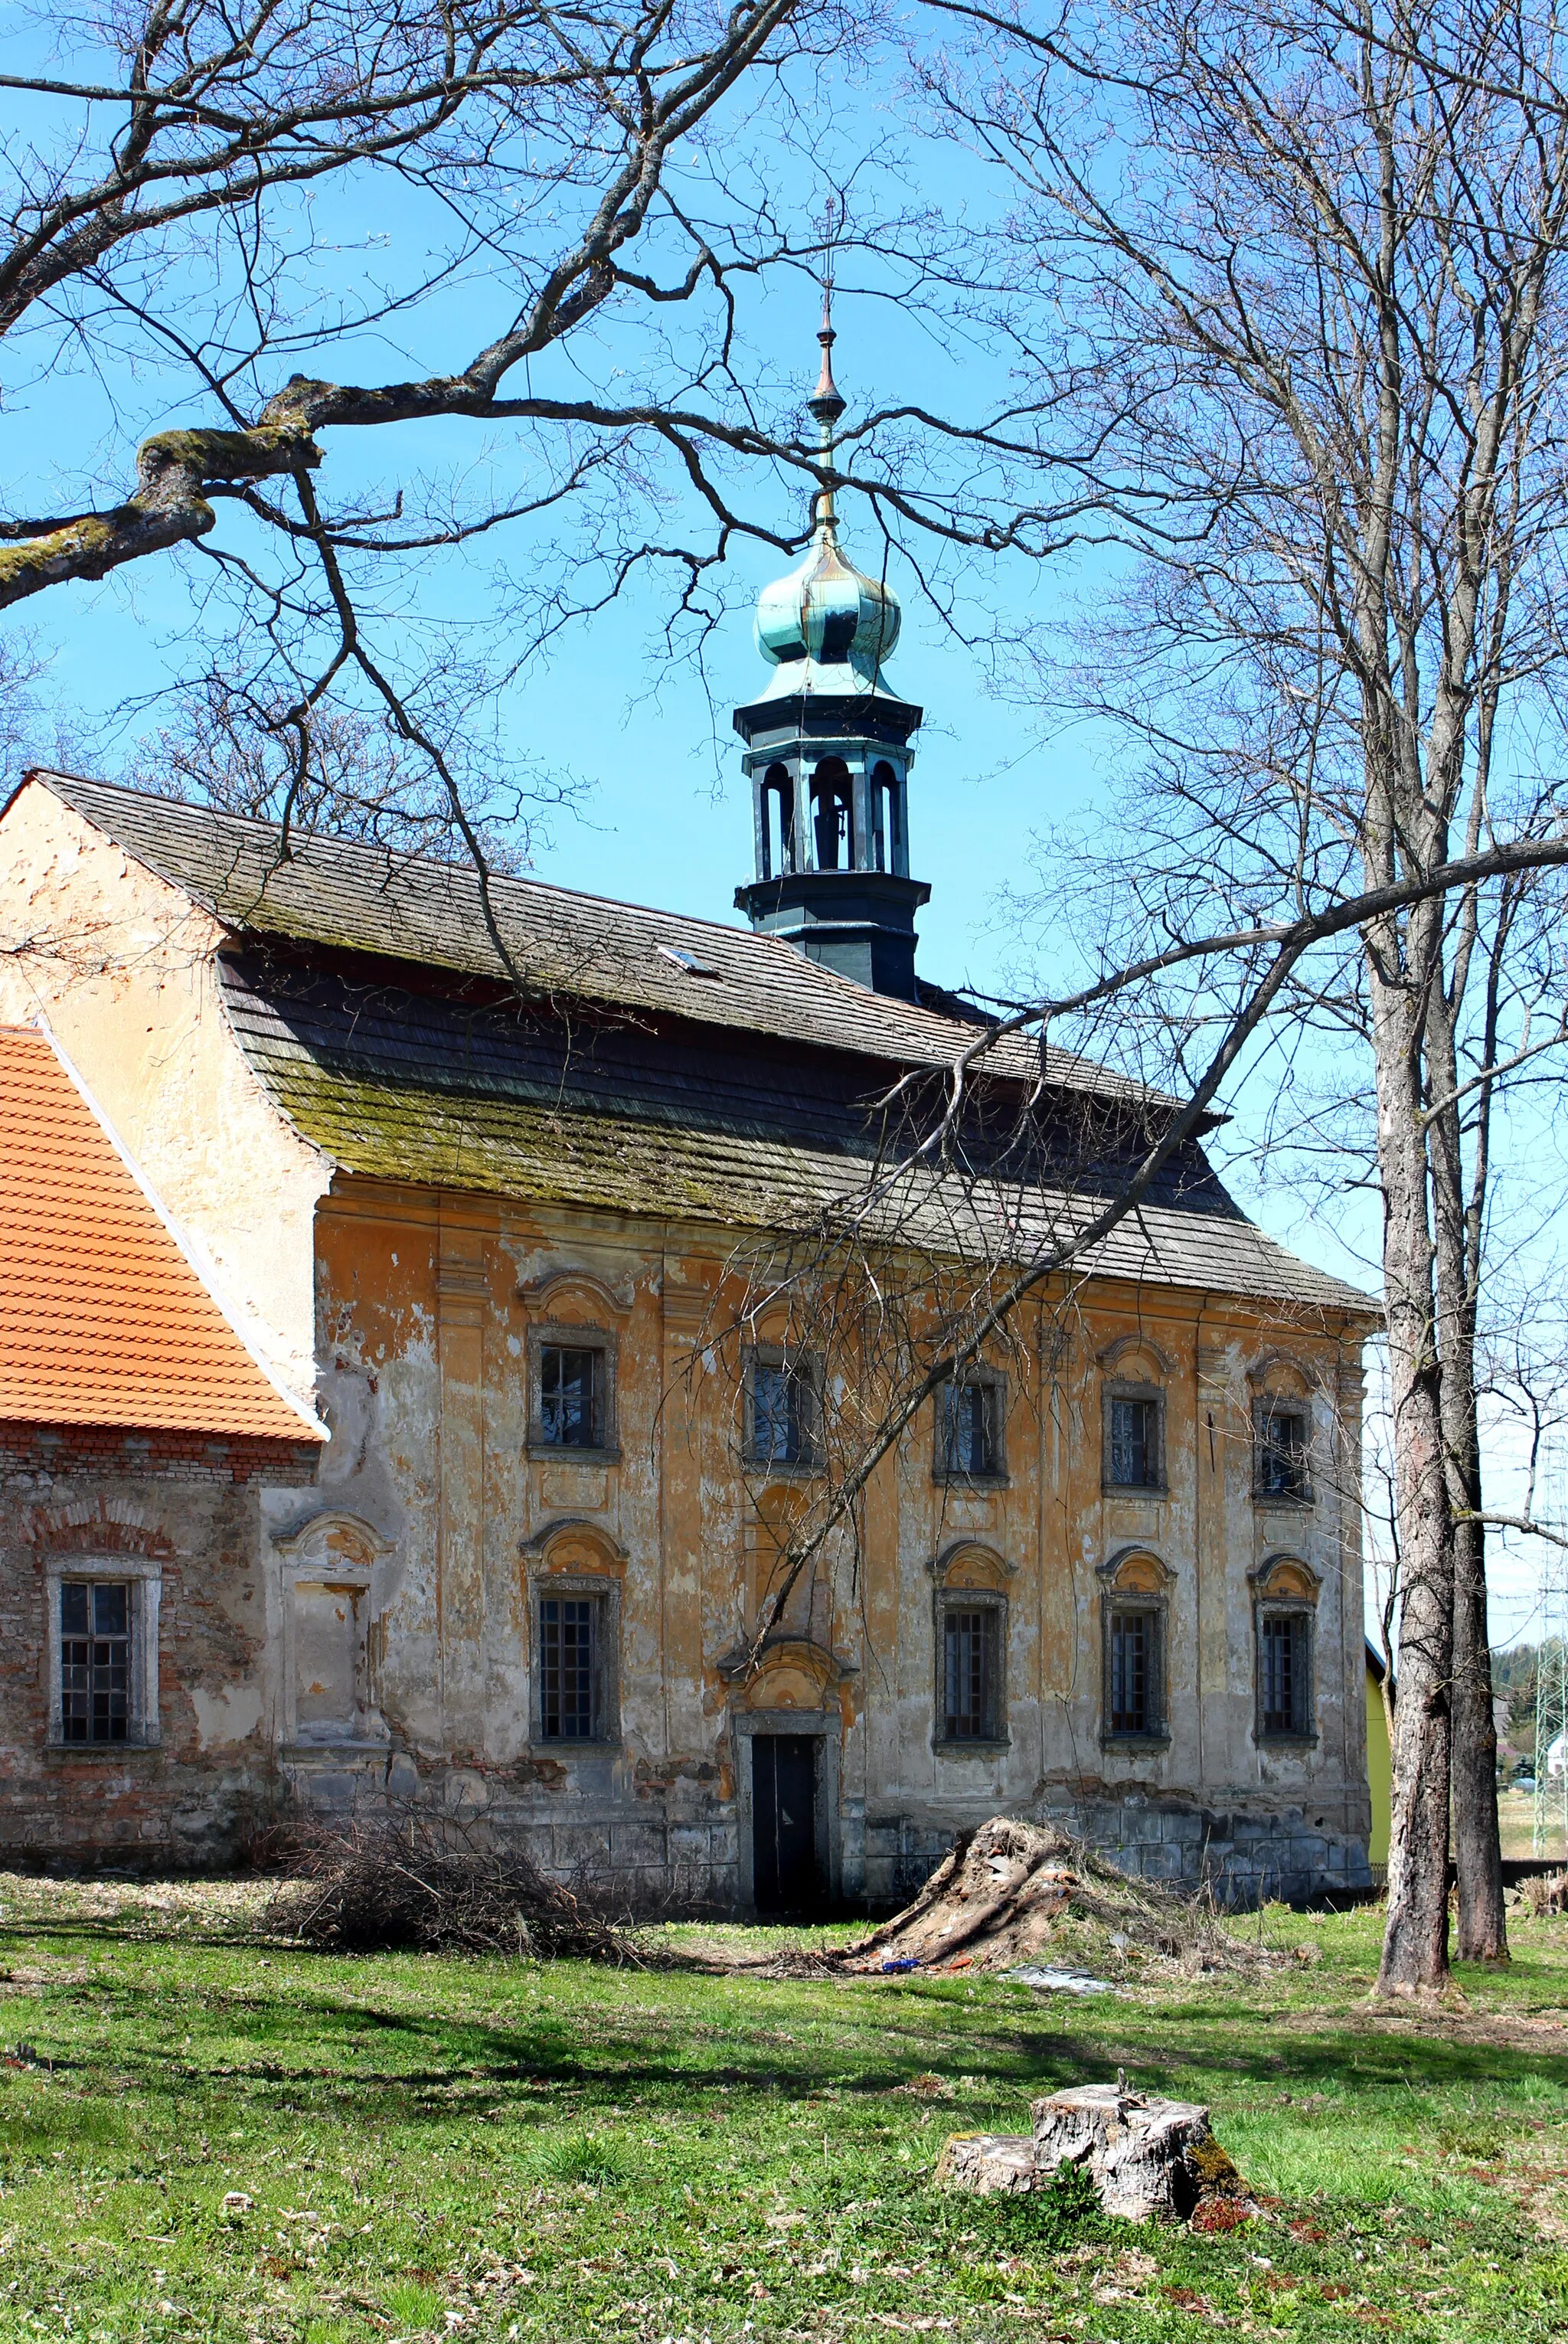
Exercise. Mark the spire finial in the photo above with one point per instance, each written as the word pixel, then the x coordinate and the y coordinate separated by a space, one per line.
pixel 825 403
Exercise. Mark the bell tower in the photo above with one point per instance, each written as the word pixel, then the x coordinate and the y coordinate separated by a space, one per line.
pixel 828 752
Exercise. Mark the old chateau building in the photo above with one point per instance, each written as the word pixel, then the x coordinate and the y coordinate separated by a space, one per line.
pixel 353 1446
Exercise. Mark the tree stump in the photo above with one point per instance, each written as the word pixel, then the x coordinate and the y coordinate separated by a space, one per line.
pixel 987 2162
pixel 1141 2152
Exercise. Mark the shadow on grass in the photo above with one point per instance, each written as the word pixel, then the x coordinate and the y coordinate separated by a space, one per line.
pixel 870 2046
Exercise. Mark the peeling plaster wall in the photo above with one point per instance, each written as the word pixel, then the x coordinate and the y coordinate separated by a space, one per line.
pixel 426 1303
pixel 121 964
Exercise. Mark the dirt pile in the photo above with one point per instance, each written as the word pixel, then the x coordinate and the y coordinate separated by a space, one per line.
pixel 1011 1892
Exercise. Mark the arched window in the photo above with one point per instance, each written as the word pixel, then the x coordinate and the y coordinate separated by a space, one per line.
pixel 777 842
pixel 1284 1613
pixel 1134 1614
pixel 832 810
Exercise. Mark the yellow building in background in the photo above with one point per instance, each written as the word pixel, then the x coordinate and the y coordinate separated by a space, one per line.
pixel 1380 1761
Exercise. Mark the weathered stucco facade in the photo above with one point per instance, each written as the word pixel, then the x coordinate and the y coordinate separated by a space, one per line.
pixel 372 1628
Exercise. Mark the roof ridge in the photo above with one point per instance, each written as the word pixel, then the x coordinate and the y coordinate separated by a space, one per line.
pixel 367 896
pixel 405 858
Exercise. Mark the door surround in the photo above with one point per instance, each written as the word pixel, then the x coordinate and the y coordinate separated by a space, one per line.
pixel 823 1725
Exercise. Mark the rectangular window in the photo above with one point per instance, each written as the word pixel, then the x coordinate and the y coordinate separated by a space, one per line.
pixel 94 1661
pixel 1134 1664
pixel 569 1668
pixel 782 1396
pixel 969 1421
pixel 969 1704
pixel 1282 1692
pixel 1134 1443
pixel 570 1383
pixel 1281 1452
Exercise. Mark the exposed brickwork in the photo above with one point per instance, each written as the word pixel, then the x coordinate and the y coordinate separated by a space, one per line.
pixel 193 1797
pixel 51 1452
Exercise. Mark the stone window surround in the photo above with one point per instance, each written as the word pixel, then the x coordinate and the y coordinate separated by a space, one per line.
pixel 1115 1387
pixel 808 1366
pixel 1302 1606
pixel 995 1381
pixel 602 1587
pixel 1115 1598
pixel 144 1577
pixel 970 1599
pixel 606 1450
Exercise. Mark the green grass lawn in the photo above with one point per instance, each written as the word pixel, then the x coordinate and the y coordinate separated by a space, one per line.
pixel 202 2139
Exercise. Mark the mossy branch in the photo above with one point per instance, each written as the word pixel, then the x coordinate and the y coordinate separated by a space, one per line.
pixel 174 471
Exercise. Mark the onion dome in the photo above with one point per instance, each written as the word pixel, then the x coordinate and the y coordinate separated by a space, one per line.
pixel 828 613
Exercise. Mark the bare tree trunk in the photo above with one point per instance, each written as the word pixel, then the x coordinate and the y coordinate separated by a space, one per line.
pixel 1477 1839
pixel 1416 1943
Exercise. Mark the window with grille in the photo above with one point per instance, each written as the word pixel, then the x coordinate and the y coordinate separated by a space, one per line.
pixel 1284 1697
pixel 783 1398
pixel 570 1396
pixel 1133 1687
pixel 1281 1454
pixel 971 1652
pixel 969 1420
pixel 569 1704
pixel 94 1661
pixel 1132 1442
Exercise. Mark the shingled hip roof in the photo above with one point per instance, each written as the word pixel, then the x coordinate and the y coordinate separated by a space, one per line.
pixel 103 1318
pixel 352 895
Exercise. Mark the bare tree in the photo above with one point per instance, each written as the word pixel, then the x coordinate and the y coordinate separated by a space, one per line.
pixel 191 212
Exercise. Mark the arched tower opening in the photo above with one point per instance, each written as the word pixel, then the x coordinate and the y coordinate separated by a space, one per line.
pixel 776 824
pixel 833 817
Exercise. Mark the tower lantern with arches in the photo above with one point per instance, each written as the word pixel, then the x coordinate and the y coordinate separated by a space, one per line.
pixel 828 752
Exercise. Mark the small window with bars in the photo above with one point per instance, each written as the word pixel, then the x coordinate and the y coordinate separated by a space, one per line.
pixel 95 1630
pixel 969 1422
pixel 972 1672
pixel 1133 1459
pixel 571 1706
pixel 782 1408
pixel 1284 1673
pixel 1280 1452
pixel 1135 1666
pixel 571 1396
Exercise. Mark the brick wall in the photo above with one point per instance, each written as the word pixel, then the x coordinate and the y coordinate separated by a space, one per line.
pixel 185 1513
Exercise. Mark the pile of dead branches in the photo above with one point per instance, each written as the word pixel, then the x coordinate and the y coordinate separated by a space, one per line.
pixel 418 1882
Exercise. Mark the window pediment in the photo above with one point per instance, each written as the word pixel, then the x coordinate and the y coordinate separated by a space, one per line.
pixel 1286 1577
pixel 1135 1570
pixel 566 1291
pixel 969 1563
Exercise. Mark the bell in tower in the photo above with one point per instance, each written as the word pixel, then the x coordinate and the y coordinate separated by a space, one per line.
pixel 828 754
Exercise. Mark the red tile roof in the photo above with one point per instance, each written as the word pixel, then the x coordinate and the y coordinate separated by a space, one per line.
pixel 102 1319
